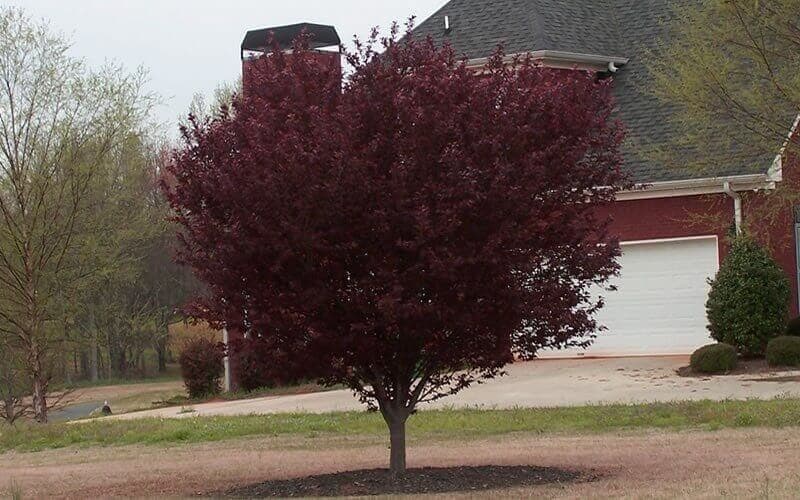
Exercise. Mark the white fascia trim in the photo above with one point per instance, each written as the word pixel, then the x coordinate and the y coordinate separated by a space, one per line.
pixel 558 59
pixel 669 240
pixel 692 187
pixel 776 170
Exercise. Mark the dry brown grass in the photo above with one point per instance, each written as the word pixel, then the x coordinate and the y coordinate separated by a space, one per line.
pixel 749 463
pixel 127 391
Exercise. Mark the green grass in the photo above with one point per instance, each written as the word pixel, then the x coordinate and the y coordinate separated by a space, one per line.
pixel 147 400
pixel 435 424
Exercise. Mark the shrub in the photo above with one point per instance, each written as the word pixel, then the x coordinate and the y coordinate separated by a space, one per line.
pixel 714 358
pixel 784 351
pixel 201 367
pixel 793 327
pixel 749 299
pixel 181 332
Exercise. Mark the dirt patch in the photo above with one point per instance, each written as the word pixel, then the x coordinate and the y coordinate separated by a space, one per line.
pixel 414 482
pixel 731 463
pixel 745 367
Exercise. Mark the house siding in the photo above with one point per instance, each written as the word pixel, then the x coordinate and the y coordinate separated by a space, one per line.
pixel 705 215
pixel 679 217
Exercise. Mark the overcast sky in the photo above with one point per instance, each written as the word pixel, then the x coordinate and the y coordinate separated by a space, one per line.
pixel 190 46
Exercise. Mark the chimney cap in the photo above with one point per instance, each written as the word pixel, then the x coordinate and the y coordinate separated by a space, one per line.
pixel 321 36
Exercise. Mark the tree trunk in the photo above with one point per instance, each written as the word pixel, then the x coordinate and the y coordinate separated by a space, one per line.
pixel 142 363
pixel 122 363
pixel 117 360
pixel 40 381
pixel 8 409
pixel 397 439
pixel 161 352
pixel 84 371
pixel 39 397
pixel 94 364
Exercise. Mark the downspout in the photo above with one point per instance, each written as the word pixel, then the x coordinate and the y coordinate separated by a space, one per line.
pixel 737 205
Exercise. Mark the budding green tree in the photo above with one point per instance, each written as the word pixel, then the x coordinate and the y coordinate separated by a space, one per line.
pixel 730 72
pixel 59 123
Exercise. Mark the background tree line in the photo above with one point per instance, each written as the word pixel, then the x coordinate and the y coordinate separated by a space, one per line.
pixel 88 288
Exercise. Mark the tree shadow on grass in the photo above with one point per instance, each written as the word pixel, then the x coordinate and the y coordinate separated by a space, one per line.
pixel 415 481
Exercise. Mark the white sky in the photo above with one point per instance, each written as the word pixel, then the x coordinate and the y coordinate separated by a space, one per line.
pixel 190 46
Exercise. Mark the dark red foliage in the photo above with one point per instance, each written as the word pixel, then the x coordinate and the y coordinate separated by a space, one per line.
pixel 409 233
pixel 259 364
pixel 201 363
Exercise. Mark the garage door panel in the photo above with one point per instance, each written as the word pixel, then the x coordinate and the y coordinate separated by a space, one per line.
pixel 659 304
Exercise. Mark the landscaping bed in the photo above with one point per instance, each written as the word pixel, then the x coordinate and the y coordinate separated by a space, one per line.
pixel 414 482
pixel 756 366
pixel 726 463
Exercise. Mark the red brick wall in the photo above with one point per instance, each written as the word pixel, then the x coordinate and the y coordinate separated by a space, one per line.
pixel 685 216
pixel 675 217
pixel 324 58
pixel 703 215
pixel 774 225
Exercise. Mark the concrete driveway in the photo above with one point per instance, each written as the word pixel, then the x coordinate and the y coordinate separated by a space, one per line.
pixel 543 383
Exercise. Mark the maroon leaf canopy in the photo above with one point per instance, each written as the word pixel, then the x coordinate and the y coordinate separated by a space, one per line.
pixel 408 232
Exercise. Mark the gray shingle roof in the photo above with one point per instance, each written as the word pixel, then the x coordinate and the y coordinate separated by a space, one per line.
pixel 479 26
pixel 614 28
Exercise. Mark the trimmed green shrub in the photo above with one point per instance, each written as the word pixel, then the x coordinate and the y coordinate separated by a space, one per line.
pixel 714 358
pixel 784 351
pixel 793 327
pixel 201 367
pixel 749 299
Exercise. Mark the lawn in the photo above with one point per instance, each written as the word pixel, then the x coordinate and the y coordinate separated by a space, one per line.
pixel 172 374
pixel 284 390
pixel 132 396
pixel 434 424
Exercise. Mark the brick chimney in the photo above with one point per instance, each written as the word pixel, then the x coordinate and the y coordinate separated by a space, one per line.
pixel 324 42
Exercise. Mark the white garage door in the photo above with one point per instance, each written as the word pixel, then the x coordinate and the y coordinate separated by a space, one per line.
pixel 659 307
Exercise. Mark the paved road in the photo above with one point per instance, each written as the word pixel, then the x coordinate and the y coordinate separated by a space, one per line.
pixel 545 383
pixel 75 411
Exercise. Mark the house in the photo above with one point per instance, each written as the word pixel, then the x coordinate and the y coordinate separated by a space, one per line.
pixel 659 307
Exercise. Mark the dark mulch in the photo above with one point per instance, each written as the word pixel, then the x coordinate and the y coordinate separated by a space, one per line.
pixel 415 481
pixel 745 367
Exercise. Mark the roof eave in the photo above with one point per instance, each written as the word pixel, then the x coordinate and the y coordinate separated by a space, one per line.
pixel 695 187
pixel 558 59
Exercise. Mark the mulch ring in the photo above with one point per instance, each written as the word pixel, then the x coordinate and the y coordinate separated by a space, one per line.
pixel 757 367
pixel 415 481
